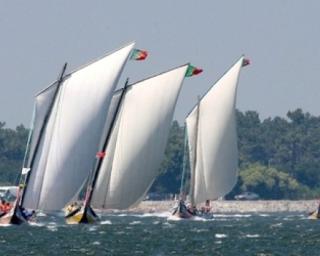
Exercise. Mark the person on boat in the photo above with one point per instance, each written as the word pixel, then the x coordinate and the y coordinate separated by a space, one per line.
pixel 192 209
pixel 7 207
pixel 180 206
pixel 73 207
pixel 28 214
pixel 2 204
pixel 207 207
pixel 2 207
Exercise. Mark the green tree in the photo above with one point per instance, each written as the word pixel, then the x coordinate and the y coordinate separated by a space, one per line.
pixel 171 168
pixel 270 183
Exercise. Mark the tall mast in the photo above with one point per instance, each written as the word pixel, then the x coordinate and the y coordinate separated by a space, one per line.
pixel 192 181
pixel 44 125
pixel 184 161
pixel 104 148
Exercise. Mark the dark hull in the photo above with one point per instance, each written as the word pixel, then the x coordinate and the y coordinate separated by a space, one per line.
pixel 82 216
pixel 182 212
pixel 183 215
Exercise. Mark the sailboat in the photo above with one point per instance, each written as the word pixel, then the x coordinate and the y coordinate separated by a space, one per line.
pixel 212 141
pixel 69 118
pixel 134 145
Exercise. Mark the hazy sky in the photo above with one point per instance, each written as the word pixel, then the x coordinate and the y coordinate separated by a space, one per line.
pixel 280 37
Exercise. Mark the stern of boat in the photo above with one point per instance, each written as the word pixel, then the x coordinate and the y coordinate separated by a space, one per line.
pixel 82 215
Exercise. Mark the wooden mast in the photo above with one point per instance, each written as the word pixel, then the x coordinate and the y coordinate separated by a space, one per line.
pixel 192 181
pixel 184 161
pixel 91 186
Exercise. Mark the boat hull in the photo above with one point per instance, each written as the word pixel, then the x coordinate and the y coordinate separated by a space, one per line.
pixel 314 216
pixel 182 215
pixel 182 212
pixel 82 216
pixel 14 217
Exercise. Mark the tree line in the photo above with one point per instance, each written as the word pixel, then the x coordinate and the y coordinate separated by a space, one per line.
pixel 278 157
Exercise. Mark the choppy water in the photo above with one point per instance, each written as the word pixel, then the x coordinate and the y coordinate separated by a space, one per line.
pixel 154 234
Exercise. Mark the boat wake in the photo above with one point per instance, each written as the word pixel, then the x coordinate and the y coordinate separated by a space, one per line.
pixel 37 224
pixel 194 218
pixel 144 215
pixel 231 216
pixel 106 222
pixel 5 225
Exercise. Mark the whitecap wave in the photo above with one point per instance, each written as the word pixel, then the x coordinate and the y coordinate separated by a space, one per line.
pixel 252 235
pixel 106 222
pixel 276 225
pixel 194 218
pixel 220 235
pixel 52 228
pixel 232 215
pixel 264 215
pixel 156 214
pixel 93 228
pixel 41 214
pixel 37 224
pixel 5 225
pixel 135 223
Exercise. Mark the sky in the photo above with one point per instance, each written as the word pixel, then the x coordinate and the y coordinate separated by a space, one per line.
pixel 280 37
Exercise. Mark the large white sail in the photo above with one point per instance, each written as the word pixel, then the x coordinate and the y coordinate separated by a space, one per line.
pixel 211 131
pixel 138 141
pixel 42 104
pixel 67 148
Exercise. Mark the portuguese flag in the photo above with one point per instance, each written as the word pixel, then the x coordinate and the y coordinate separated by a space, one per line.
pixel 192 71
pixel 138 54
pixel 100 154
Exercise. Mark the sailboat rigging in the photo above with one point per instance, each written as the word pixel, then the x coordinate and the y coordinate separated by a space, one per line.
pixel 212 141
pixel 135 146
pixel 86 214
pixel 69 119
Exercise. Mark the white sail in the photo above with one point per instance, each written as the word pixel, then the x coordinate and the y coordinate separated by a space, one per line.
pixel 137 144
pixel 42 104
pixel 67 149
pixel 213 139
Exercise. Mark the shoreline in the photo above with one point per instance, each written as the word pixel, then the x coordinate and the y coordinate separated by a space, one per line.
pixel 233 206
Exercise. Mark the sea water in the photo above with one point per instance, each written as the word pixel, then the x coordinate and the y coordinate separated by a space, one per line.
pixel 155 234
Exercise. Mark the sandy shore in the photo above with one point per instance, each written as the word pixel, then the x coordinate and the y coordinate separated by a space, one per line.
pixel 236 206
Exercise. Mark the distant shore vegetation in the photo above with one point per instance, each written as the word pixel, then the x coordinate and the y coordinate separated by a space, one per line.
pixel 279 158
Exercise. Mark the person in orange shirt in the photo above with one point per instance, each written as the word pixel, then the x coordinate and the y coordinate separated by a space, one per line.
pixel 2 207
pixel 7 207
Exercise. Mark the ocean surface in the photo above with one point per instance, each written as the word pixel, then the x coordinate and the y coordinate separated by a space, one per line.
pixel 155 234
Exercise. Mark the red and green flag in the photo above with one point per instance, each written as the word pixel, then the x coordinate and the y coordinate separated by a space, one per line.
pixel 192 71
pixel 138 54
pixel 245 62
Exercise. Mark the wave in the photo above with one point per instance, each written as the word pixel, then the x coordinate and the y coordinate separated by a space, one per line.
pixel 220 235
pixel 135 223
pixel 252 235
pixel 106 222
pixel 5 225
pixel 232 215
